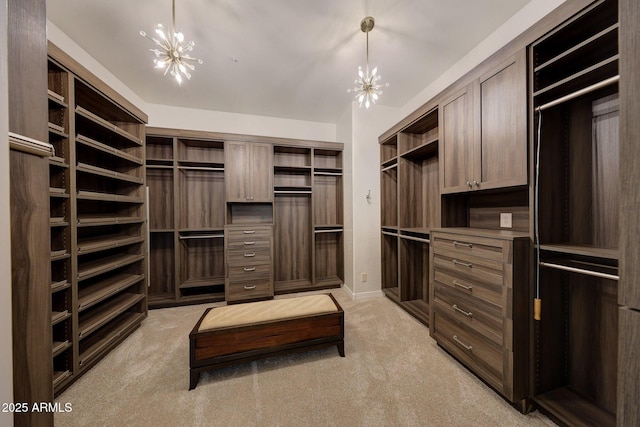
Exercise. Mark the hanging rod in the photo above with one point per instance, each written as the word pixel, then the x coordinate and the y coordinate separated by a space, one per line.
pixel 203 236
pixel 395 165
pixel 328 173
pixel 291 192
pixel 329 230
pixel 417 239
pixel 584 91
pixel 200 168
pixel 388 233
pixel 580 270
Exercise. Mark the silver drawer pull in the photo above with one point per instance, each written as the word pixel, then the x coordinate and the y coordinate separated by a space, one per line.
pixel 249 231
pixel 464 264
pixel 466 245
pixel 466 347
pixel 249 243
pixel 466 313
pixel 248 288
pixel 249 269
pixel 252 254
pixel 460 285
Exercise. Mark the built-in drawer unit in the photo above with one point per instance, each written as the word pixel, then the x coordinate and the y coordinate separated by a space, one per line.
pixel 480 298
pixel 249 262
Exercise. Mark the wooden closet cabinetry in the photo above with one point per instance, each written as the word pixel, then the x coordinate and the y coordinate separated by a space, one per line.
pixel 480 289
pixel 484 130
pixel 249 175
pixel 249 259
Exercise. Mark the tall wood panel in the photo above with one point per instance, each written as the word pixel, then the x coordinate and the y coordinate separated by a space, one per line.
pixel 29 198
pixel 629 287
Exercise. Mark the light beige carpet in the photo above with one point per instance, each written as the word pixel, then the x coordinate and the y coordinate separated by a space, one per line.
pixel 394 375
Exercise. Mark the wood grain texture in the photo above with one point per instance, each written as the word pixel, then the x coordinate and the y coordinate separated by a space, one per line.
pixel 503 99
pixel 202 260
pixel 31 286
pixel 160 183
pixel 327 200
pixel 329 256
pixel 261 173
pixel 292 238
pixel 237 171
pixel 389 199
pixel 390 277
pixel 414 270
pixel 629 285
pixel 196 150
pixel 456 141
pixel 629 293
pixel 162 268
pixel 202 203
pixel 290 156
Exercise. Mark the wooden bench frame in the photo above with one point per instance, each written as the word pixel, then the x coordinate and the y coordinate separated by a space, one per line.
pixel 226 346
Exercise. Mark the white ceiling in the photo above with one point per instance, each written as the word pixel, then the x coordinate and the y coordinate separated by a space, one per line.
pixel 282 58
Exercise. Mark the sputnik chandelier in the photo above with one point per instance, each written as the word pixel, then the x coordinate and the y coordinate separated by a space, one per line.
pixel 172 53
pixel 367 87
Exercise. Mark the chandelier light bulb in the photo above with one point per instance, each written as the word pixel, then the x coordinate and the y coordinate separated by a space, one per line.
pixel 367 87
pixel 172 54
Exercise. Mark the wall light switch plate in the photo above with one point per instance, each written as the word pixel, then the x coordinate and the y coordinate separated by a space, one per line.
pixel 363 277
pixel 506 220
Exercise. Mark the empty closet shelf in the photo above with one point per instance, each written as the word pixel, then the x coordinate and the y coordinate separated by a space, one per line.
pixel 54 96
pixel 107 197
pixel 92 320
pixel 107 219
pixel 107 125
pixel 59 316
pixel 202 282
pixel 89 142
pixel 96 170
pixel 101 243
pixel 59 346
pixel 59 377
pixel 93 294
pixel 583 250
pixel 102 265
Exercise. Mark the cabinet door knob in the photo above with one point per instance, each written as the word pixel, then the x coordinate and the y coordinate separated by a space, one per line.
pixel 251 197
pixel 469 184
pixel 476 183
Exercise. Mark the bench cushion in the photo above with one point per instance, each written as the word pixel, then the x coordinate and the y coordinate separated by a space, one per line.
pixel 267 311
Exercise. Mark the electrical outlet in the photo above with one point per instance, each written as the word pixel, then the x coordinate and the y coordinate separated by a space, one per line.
pixel 363 277
pixel 506 220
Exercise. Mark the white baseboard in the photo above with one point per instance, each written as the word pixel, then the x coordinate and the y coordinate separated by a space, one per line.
pixel 362 295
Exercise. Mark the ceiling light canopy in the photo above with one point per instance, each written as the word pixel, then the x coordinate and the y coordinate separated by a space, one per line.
pixel 368 88
pixel 172 53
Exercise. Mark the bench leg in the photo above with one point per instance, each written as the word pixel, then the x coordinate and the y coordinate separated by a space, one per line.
pixel 194 377
pixel 340 346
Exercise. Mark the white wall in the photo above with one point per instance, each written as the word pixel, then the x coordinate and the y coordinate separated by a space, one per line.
pixel 516 25
pixel 6 351
pixel 219 121
pixel 194 119
pixel 367 125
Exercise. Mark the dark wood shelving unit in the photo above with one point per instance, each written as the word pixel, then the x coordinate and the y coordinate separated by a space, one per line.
pixel 96 210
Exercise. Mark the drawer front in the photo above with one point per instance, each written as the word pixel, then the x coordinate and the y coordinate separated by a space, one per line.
pixel 249 244
pixel 247 258
pixel 248 289
pixel 482 317
pixel 248 233
pixel 469 268
pixel 491 293
pixel 238 274
pixel 479 354
pixel 470 245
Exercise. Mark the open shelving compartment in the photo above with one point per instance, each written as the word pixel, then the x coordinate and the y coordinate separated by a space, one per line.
pixel 418 206
pixel 292 218
pixel 389 216
pixel 575 100
pixel 328 222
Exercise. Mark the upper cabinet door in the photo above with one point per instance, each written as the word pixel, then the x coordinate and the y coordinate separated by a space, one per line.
pixel 237 171
pixel 456 141
pixel 249 172
pixel 501 158
pixel 262 173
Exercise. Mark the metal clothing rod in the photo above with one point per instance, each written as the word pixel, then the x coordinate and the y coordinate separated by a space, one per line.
pixel 200 168
pixel 388 233
pixel 584 91
pixel 292 192
pixel 203 236
pixel 395 165
pixel 580 270
pixel 417 239
pixel 332 230
pixel 328 173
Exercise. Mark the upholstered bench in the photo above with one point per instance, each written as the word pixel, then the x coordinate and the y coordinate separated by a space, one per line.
pixel 243 332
